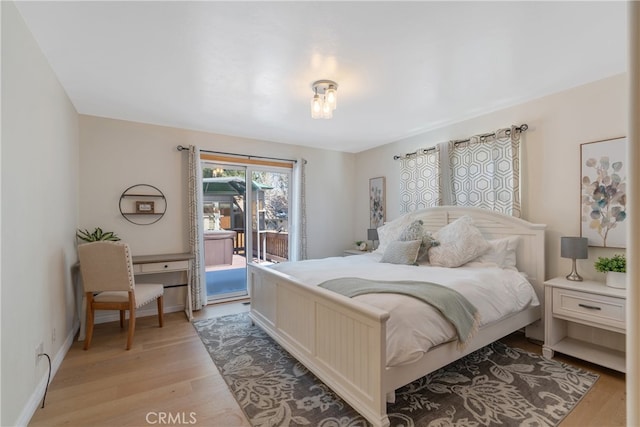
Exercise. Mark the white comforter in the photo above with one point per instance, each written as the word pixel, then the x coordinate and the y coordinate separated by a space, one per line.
pixel 413 326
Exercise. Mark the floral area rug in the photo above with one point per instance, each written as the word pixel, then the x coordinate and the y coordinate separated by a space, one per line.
pixel 496 385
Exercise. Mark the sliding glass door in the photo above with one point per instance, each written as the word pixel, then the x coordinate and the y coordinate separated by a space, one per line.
pixel 270 235
pixel 242 223
pixel 224 195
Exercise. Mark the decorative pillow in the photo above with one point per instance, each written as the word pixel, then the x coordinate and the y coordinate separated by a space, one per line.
pixel 412 232
pixel 390 232
pixel 460 242
pixel 502 252
pixel 428 241
pixel 402 252
pixel 415 231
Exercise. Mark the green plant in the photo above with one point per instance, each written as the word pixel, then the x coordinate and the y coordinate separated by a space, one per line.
pixel 618 263
pixel 96 235
pixel 359 242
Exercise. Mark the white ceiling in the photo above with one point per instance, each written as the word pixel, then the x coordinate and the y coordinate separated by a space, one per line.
pixel 246 68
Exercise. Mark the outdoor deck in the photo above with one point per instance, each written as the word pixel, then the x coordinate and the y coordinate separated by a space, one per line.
pixel 229 280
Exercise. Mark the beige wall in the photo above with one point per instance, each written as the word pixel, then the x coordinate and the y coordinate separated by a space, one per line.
pixel 39 217
pixel 558 124
pixel 116 154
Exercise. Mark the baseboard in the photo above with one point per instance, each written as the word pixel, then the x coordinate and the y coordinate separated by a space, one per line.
pixel 36 397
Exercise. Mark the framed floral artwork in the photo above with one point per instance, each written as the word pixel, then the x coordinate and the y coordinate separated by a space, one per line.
pixel 376 202
pixel 603 211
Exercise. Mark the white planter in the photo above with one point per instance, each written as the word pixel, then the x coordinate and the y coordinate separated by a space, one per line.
pixel 615 279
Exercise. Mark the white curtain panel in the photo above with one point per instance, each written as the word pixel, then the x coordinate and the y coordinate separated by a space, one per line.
pixel 196 223
pixel 420 180
pixel 298 227
pixel 485 172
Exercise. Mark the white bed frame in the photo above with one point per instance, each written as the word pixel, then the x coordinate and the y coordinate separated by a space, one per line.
pixel 342 341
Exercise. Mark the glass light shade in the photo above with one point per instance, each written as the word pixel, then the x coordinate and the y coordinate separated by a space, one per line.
pixel 331 97
pixel 327 111
pixel 316 107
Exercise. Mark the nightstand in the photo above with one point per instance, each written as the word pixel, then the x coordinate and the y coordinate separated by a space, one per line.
pixel 585 320
pixel 349 252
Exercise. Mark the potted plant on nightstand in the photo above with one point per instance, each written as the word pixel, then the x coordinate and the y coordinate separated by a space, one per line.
pixel 615 269
pixel 361 245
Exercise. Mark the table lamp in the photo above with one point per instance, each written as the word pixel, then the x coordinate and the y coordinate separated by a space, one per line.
pixel 574 248
pixel 372 234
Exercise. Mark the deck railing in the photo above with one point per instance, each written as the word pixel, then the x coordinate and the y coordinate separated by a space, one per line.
pixel 277 245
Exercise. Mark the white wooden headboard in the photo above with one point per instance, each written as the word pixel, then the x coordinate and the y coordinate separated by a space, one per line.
pixel 493 225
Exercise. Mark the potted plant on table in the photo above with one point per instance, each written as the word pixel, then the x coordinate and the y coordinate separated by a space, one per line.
pixel 615 269
pixel 97 235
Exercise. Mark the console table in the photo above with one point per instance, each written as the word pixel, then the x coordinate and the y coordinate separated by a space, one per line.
pixel 152 264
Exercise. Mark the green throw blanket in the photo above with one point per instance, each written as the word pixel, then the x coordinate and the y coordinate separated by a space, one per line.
pixel 454 307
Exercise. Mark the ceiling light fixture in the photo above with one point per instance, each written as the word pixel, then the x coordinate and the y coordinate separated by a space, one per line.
pixel 325 96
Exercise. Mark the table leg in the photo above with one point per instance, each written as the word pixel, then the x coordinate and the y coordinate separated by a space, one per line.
pixel 188 311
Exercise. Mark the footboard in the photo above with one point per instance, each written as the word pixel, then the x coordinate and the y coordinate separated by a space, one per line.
pixel 338 339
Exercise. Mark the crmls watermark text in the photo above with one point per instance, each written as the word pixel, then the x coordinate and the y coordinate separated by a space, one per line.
pixel 172 418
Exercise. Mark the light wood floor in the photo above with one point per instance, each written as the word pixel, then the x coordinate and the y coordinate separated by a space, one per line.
pixel 168 372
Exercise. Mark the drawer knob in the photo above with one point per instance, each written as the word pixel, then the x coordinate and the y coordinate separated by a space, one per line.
pixel 166 266
pixel 590 307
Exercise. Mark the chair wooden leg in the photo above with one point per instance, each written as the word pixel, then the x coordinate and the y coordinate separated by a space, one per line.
pixel 121 319
pixel 89 322
pixel 132 326
pixel 160 311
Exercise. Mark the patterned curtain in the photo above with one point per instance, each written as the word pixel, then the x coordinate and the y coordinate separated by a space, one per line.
pixel 485 171
pixel 298 228
pixel 196 222
pixel 420 180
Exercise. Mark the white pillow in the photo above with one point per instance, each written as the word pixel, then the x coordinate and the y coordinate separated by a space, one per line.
pixel 502 252
pixel 391 231
pixel 402 252
pixel 460 242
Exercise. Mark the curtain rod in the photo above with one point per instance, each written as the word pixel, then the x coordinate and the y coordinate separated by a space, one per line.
pixel 522 128
pixel 181 148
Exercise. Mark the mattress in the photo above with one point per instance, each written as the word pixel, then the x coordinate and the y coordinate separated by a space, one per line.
pixel 413 326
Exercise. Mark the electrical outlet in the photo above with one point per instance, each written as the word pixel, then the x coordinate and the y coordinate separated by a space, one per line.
pixel 39 351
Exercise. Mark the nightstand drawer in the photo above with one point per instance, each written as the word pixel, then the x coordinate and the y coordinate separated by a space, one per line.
pixel 589 307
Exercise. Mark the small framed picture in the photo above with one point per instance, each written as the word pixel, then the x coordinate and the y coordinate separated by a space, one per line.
pixel 144 207
pixel 376 202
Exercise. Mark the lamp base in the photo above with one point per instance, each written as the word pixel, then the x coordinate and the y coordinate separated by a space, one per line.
pixel 574 276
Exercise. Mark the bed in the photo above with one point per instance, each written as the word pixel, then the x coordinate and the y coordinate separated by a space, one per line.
pixel 343 341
